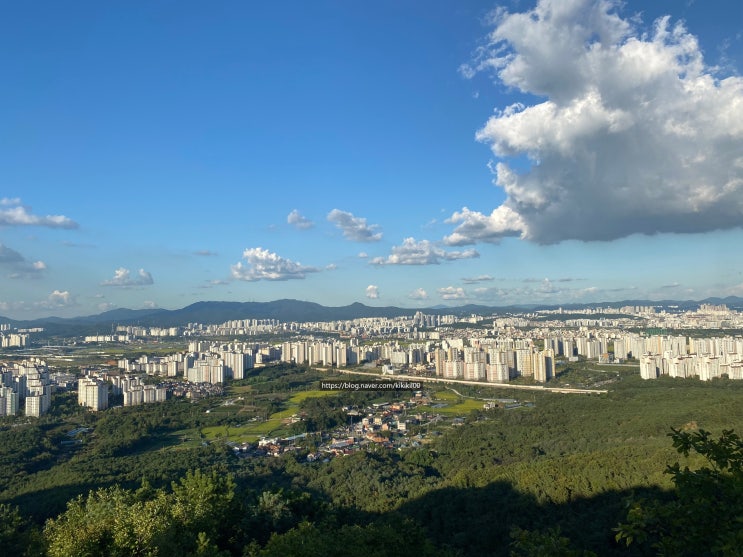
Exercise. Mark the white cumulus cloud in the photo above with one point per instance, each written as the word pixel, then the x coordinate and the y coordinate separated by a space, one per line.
pixel 354 228
pixel 418 294
pixel 637 134
pixel 12 213
pixel 58 299
pixel 452 293
pixel 476 227
pixel 124 279
pixel 424 252
pixel 372 292
pixel 298 221
pixel 262 264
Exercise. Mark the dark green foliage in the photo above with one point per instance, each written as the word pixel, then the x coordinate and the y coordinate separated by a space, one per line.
pixel 18 536
pixel 276 512
pixel 371 482
pixel 551 478
pixel 544 544
pixel 40 473
pixel 25 449
pixel 705 517
pixel 279 378
pixel 401 539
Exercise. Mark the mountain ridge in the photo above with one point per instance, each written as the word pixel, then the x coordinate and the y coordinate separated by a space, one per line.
pixel 288 310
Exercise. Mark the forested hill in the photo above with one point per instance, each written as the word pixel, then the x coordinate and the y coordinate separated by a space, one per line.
pixel 565 475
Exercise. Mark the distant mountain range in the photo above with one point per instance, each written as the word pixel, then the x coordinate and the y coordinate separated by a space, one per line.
pixel 297 310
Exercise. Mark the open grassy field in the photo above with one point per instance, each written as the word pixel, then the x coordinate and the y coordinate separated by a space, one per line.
pixel 254 430
pixel 300 397
pixel 455 404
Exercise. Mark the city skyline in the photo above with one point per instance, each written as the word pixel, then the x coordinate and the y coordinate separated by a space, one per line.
pixel 409 155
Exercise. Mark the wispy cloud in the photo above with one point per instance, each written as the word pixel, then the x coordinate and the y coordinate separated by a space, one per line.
pixel 354 228
pixel 262 264
pixel 547 292
pixel 205 253
pixel 423 252
pixel 565 279
pixel 212 283
pixel 69 244
pixel 17 266
pixel 479 278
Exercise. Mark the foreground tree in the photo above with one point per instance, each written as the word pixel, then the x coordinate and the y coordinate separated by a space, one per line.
pixel 114 522
pixel 705 515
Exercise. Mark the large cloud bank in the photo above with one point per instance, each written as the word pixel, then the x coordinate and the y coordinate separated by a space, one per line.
pixel 636 134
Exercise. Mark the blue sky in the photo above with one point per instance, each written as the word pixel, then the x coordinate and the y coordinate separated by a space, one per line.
pixel 154 154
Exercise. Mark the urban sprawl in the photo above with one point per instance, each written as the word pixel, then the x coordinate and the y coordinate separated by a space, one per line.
pixel 491 349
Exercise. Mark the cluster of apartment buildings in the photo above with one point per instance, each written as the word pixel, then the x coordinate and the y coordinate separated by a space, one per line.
pixel 706 358
pixel 494 360
pixel 11 337
pixel 13 340
pixel 707 316
pixel 128 333
pixel 204 362
pixel 93 390
pixel 26 385
pixel 360 327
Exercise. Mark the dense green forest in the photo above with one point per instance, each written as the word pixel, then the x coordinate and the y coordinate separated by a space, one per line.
pixel 613 474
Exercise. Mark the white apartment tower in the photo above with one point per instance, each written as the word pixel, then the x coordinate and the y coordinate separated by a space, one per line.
pixel 92 393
